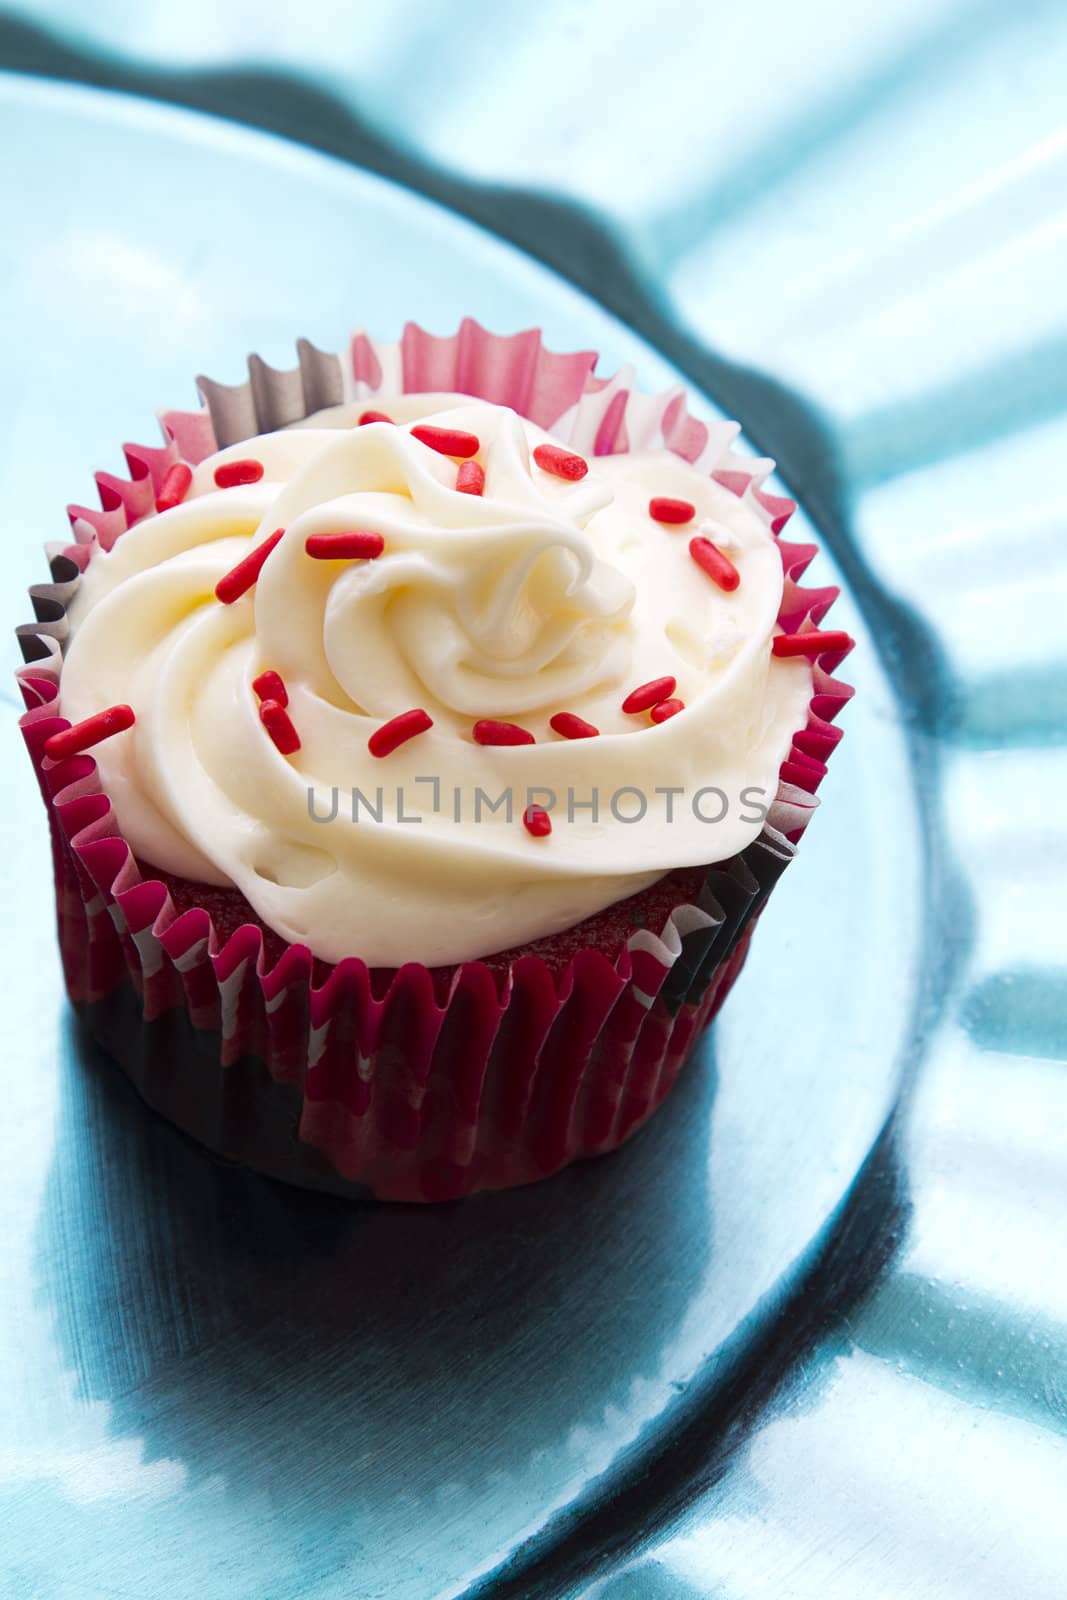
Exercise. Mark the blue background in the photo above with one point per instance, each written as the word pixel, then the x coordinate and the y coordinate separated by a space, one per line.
pixel 806 1338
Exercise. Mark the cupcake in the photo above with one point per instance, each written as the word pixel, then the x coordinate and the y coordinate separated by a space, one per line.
pixel 422 731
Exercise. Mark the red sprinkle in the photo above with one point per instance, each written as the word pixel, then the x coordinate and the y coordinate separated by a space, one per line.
pixel 537 822
pixel 373 416
pixel 649 694
pixel 175 486
pixel 665 709
pixel 489 732
pixel 279 725
pixel 397 731
pixel 572 727
pixel 270 686
pixel 812 643
pixel 355 545
pixel 231 473
pixel 717 566
pixel 447 441
pixel 470 479
pixel 240 578
pixel 661 508
pixel 561 463
pixel 83 735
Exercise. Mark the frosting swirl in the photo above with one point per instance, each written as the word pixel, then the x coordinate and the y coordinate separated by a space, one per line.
pixel 539 596
pixel 484 605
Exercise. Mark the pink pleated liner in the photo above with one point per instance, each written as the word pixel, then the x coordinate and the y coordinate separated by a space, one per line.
pixel 411 1084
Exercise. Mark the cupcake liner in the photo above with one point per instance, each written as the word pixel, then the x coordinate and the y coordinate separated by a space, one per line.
pixel 407 1084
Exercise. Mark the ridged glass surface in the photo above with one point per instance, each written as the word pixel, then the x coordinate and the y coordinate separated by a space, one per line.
pixel 806 1337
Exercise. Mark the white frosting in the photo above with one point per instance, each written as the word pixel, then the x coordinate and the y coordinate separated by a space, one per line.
pixel 540 596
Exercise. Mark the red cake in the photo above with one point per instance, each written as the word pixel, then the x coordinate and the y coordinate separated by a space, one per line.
pixel 422 732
